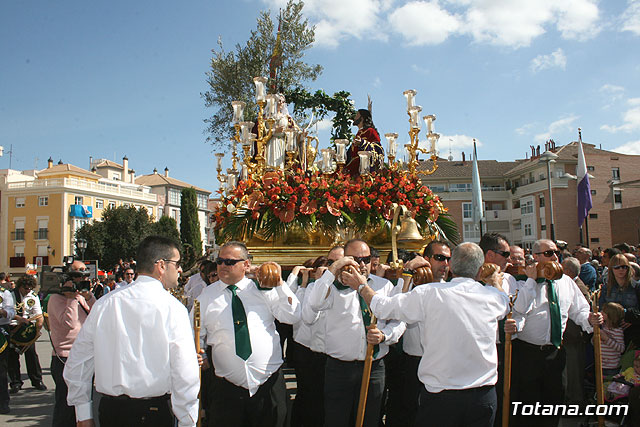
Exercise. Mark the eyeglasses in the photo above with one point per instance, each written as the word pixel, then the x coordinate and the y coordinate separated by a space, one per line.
pixel 440 257
pixel 228 261
pixel 362 259
pixel 133 274
pixel 504 254
pixel 178 263
pixel 549 253
pixel 620 267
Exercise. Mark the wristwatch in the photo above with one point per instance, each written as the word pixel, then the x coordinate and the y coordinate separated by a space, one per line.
pixel 361 286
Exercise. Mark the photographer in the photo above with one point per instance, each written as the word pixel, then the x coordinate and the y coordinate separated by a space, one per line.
pixel 67 312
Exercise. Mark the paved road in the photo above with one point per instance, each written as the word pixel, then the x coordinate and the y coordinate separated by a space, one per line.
pixel 31 407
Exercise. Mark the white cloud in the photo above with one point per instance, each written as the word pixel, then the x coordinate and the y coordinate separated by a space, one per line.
pixel 562 125
pixel 377 82
pixel 613 93
pixel 631 119
pixel 418 69
pixel 632 147
pixel 577 19
pixel 424 23
pixel 555 59
pixel 524 129
pixel 458 144
pixel 631 18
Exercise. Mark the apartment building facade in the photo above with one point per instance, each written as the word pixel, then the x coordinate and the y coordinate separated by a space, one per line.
pixel 517 201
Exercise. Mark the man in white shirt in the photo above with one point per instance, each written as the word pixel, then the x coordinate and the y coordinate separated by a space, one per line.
pixel 237 322
pixel 438 254
pixel 128 277
pixel 139 343
pixel 7 311
pixel 458 322
pixel 540 313
pixel 348 332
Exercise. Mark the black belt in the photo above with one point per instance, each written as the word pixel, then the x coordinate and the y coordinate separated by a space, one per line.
pixel 124 397
pixel 353 362
pixel 543 347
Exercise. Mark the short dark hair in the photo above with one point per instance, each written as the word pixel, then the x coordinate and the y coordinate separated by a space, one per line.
pixel 151 249
pixel 321 261
pixel 623 247
pixel 374 252
pixel 3 275
pixel 236 244
pixel 208 267
pixel 491 242
pixel 403 255
pixel 26 281
pixel 612 252
pixel 353 242
pixel 428 251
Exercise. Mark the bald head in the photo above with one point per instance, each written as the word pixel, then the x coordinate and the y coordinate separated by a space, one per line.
pixel 78 266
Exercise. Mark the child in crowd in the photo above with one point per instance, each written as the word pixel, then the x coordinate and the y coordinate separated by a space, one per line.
pixel 612 337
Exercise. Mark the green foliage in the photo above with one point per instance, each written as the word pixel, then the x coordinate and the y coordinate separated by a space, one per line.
pixel 167 227
pixel 232 72
pixel 322 103
pixel 190 226
pixel 117 236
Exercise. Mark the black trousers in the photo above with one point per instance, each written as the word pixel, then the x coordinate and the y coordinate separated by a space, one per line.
pixel 536 377
pixel 123 411
pixel 411 388
pixel 394 378
pixel 474 407
pixel 342 382
pixel 63 414
pixel 231 405
pixel 308 406
pixel 34 371
pixel 4 387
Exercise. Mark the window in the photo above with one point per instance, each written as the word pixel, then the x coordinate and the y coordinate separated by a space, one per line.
pixel 438 188
pixel 615 173
pixel 99 204
pixel 112 205
pixel 542 177
pixel 19 251
pixel 78 200
pixel 460 187
pixel 174 197
pixel 43 229
pixel 527 230
pixel 591 168
pixel 471 232
pixel 467 211
pixel 43 201
pixel 541 198
pixel 20 202
pixel 202 201
pixel 595 240
pixel 543 227
pixel 526 208
pixel 617 196
pixel 116 176
pixel 593 216
pixel 593 192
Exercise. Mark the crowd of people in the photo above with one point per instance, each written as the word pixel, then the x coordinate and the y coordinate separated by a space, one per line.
pixel 437 348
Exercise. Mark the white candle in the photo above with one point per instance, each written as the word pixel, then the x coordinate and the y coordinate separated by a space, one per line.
pixel 429 121
pixel 341 152
pixel 238 111
pixel 414 113
pixel 410 94
pixel 260 89
pixel 391 138
pixel 326 160
pixel 219 165
pixel 364 162
pixel 244 174
pixel 290 136
pixel 270 109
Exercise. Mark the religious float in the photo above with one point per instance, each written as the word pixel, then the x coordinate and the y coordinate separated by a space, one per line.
pixel 287 207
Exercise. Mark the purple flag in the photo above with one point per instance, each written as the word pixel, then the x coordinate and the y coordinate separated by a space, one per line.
pixel 584 188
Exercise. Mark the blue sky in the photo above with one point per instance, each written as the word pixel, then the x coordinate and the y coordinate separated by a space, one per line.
pixel 108 79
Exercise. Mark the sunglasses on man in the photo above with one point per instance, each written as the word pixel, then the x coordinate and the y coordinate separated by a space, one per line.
pixel 549 253
pixel 440 257
pixel 504 254
pixel 228 261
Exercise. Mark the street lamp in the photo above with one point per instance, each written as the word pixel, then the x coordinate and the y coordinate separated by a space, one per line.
pixel 548 157
pixel 82 245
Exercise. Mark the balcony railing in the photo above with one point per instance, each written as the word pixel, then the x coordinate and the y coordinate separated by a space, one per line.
pixel 17 235
pixel 41 234
pixel 74 183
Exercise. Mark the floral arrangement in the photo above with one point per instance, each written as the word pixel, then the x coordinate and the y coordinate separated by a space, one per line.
pixel 313 201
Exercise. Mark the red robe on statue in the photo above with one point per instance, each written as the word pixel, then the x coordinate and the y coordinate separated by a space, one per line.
pixel 365 140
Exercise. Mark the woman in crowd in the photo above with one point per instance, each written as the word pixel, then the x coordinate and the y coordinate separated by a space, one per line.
pixel 623 289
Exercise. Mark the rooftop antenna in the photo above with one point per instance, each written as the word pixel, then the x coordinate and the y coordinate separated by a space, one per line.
pixel 450 158
pixel 35 162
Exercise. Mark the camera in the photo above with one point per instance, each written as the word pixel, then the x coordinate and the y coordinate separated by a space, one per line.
pixel 58 279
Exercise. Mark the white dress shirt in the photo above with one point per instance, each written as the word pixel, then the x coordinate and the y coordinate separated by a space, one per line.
pixel 194 287
pixel 140 339
pixel 345 337
pixel 531 309
pixel 7 305
pixel 262 307
pixel 458 322
pixel 31 307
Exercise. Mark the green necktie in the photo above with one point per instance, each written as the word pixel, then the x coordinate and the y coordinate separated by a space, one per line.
pixel 554 313
pixel 366 313
pixel 240 326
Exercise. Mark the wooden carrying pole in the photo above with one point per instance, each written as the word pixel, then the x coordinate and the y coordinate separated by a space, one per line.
pixel 506 390
pixel 196 332
pixel 364 385
pixel 595 296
